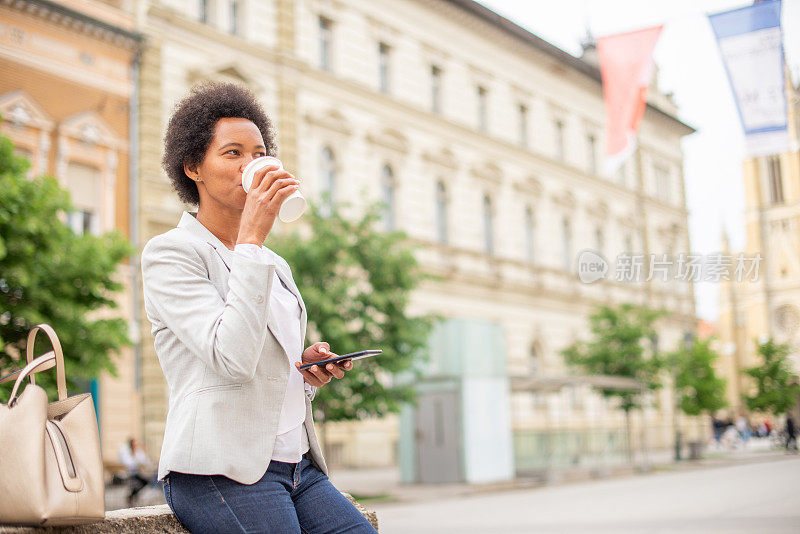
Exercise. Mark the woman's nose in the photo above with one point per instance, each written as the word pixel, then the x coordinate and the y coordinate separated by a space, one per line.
pixel 245 161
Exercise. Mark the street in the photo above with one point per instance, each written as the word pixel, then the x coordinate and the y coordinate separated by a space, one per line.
pixel 758 498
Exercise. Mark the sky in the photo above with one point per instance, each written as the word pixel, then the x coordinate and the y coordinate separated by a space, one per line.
pixel 689 66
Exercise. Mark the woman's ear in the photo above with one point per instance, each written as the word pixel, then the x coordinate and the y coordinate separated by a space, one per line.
pixel 191 172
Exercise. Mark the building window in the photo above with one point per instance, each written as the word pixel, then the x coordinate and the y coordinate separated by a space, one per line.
pixel 482 110
pixel 488 226
pixel 522 112
pixel 534 360
pixel 83 184
pixel 566 243
pixel 775 179
pixel 599 240
pixel 204 11
pixel 662 183
pixel 441 212
pixel 325 43
pixel 436 89
pixel 383 67
pixel 529 239
pixel 234 17
pixel 387 184
pixel 591 153
pixel 328 181
pixel 81 221
pixel 559 138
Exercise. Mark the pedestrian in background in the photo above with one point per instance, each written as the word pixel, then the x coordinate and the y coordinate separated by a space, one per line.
pixel 718 427
pixel 134 458
pixel 743 428
pixel 791 433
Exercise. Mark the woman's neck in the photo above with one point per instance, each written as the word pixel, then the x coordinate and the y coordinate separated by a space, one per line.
pixel 222 223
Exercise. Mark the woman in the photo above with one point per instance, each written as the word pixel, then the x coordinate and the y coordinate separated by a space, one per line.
pixel 240 453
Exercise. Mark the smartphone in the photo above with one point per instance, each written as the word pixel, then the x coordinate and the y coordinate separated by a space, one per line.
pixel 344 357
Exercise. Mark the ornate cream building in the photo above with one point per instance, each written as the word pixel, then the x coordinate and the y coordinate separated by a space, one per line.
pixel 754 310
pixel 67 86
pixel 486 143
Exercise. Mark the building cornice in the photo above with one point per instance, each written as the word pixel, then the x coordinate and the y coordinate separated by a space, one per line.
pixel 555 166
pixel 77 21
pixel 206 32
pixel 562 58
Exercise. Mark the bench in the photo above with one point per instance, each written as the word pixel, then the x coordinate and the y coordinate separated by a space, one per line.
pixel 144 520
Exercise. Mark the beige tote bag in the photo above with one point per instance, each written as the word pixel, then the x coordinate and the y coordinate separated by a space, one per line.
pixel 51 472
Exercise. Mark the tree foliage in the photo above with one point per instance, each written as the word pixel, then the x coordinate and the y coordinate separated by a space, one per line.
pixel 620 345
pixel 776 385
pixel 696 382
pixel 356 282
pixel 50 274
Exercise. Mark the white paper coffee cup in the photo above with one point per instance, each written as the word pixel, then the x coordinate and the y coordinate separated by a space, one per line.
pixel 293 207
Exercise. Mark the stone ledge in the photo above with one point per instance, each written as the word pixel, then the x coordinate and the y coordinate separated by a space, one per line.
pixel 144 520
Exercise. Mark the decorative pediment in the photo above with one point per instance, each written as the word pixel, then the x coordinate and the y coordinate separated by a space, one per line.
pixel 391 139
pixel 223 72
pixel 19 108
pixel 328 5
pixel 669 231
pixel 331 119
pixel 530 185
pixel 628 221
pixel 443 157
pixel 434 54
pixel 89 128
pixel 479 74
pixel 488 171
pixel 380 29
pixel 565 199
pixel 599 210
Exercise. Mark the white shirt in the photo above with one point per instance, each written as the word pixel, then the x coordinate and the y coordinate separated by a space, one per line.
pixel 292 441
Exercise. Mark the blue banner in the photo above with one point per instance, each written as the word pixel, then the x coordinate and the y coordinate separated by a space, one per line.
pixel 750 42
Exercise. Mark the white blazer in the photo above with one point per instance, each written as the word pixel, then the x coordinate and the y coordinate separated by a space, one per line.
pixel 221 353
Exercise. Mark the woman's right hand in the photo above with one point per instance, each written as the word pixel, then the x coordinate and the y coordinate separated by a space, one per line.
pixel 271 186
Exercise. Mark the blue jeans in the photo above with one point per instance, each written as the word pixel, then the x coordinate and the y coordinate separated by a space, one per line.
pixel 289 498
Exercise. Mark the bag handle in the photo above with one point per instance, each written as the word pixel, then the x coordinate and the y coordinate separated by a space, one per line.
pixel 50 359
pixel 42 363
pixel 61 378
pixel 38 369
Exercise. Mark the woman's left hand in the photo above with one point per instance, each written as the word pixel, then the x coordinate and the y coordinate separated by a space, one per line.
pixel 319 376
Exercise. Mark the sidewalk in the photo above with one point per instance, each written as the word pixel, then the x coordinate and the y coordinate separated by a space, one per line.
pixel 384 483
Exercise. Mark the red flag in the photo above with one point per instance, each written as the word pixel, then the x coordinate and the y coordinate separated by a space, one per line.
pixel 626 66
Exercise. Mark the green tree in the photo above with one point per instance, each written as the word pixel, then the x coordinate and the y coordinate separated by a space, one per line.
pixel 697 385
pixel 356 283
pixel 776 386
pixel 618 347
pixel 50 274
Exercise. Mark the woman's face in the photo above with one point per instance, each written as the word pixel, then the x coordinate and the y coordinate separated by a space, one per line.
pixel 236 143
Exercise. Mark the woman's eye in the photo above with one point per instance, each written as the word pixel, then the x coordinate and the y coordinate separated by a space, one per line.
pixel 233 151
pixel 260 154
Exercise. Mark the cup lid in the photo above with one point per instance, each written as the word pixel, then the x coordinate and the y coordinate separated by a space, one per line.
pixel 256 165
